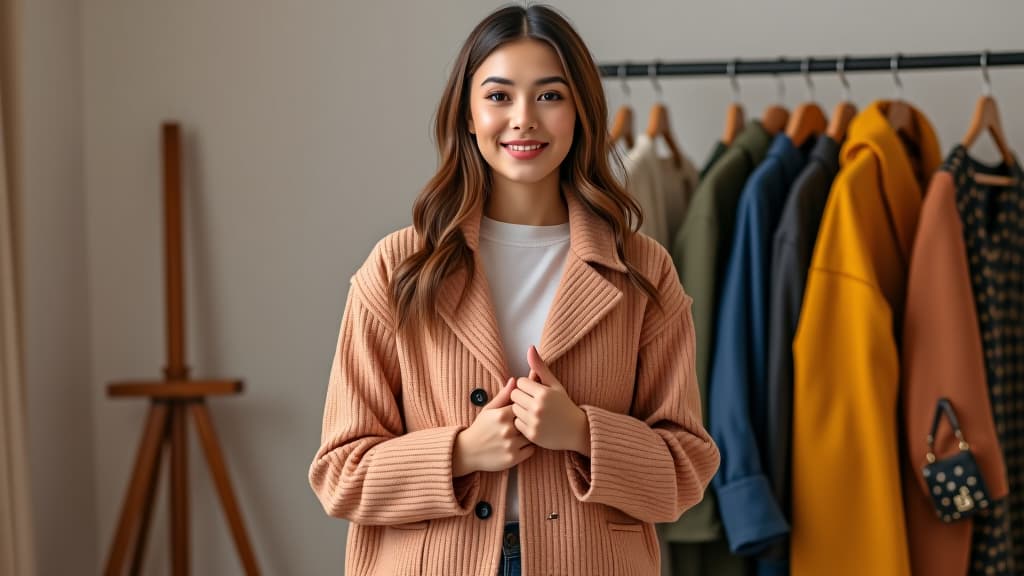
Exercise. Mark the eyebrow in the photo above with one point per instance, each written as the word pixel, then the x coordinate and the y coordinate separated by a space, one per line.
pixel 539 82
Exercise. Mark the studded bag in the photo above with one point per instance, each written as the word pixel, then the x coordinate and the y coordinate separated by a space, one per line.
pixel 955 482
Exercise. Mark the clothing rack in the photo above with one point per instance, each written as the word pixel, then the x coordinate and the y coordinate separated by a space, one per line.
pixel 891 63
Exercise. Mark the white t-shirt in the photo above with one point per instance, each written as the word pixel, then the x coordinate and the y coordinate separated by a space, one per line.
pixel 523 265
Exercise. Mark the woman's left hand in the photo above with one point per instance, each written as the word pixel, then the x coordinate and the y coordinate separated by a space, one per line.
pixel 545 414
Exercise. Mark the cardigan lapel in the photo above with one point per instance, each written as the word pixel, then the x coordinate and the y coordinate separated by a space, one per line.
pixel 582 299
pixel 584 296
pixel 473 319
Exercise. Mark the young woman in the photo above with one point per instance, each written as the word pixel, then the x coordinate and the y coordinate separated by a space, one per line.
pixel 513 389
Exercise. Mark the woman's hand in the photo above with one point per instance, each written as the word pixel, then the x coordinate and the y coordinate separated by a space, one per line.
pixel 491 443
pixel 545 414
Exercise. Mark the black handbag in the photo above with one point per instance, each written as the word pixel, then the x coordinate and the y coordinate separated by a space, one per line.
pixel 954 483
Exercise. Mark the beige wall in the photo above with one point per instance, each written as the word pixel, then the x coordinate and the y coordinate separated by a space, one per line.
pixel 308 134
pixel 55 287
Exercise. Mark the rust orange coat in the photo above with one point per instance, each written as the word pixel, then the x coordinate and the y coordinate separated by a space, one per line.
pixel 942 357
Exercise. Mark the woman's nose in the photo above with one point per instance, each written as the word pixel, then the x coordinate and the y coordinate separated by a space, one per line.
pixel 523 117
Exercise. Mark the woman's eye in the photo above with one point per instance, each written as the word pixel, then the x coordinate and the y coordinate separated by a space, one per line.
pixel 497 96
pixel 550 96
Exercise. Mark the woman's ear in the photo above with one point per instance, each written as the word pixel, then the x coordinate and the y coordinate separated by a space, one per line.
pixel 469 123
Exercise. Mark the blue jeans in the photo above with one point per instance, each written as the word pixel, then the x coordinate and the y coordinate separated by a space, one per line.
pixel 511 561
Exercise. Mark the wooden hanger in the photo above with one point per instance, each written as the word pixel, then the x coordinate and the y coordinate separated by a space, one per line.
pixel 986 119
pixel 775 117
pixel 622 126
pixel 659 125
pixel 900 115
pixel 808 119
pixel 839 124
pixel 902 120
pixel 734 122
pixel 735 119
pixel 844 111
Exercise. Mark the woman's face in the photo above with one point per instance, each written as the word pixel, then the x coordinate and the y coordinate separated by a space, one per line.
pixel 522 112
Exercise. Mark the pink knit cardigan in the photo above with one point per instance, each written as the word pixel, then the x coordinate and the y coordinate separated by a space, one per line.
pixel 395 404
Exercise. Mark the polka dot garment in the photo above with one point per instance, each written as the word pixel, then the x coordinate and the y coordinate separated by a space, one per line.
pixel 993 219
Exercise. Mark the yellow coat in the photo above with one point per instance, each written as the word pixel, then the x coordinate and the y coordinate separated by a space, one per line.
pixel 847 503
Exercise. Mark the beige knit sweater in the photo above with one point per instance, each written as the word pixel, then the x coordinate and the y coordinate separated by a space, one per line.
pixel 395 404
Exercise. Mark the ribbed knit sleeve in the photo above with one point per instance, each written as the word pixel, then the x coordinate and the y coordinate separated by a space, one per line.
pixel 656 462
pixel 368 469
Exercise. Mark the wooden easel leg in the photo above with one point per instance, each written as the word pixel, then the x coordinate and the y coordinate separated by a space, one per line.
pixel 139 556
pixel 215 459
pixel 179 490
pixel 149 449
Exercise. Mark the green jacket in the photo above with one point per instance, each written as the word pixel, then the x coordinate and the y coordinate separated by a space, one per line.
pixel 700 251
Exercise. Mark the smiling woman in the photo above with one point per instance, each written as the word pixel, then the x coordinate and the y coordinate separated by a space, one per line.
pixel 523 116
pixel 513 388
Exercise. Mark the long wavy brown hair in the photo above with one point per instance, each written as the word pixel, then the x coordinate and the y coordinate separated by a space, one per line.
pixel 463 180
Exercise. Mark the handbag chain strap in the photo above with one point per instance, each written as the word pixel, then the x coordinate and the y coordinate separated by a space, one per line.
pixel 945 407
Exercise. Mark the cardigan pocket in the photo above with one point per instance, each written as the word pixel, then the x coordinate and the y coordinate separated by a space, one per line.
pixel 635 553
pixel 401 549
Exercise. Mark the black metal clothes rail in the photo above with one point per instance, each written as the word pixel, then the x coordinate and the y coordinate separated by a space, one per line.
pixel 889 63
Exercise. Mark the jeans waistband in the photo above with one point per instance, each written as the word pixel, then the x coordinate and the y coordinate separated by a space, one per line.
pixel 510 539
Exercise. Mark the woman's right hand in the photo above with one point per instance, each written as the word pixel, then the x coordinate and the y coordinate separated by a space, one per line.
pixel 492 443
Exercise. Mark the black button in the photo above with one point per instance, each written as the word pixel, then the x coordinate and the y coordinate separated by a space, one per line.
pixel 483 510
pixel 478 397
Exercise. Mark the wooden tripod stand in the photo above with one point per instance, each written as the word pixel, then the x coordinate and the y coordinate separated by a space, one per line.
pixel 170 401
